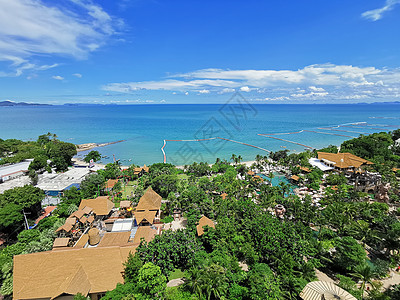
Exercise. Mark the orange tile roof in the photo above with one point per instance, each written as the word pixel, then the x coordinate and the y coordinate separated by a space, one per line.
pixel 250 172
pixel 47 211
pixel 111 183
pixel 87 210
pixel 65 227
pixel 70 271
pixel 224 195
pixel 101 205
pixel 149 201
pixel 204 221
pixel 343 160
pixel 295 177
pixel 145 232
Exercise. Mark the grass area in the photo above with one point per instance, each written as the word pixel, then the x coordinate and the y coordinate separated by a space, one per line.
pixel 128 189
pixel 177 273
pixel 182 176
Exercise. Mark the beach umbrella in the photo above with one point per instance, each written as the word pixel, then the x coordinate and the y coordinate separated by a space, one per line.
pixel 323 290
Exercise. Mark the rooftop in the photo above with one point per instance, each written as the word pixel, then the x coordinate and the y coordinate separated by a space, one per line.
pixel 343 160
pixel 101 205
pixel 204 221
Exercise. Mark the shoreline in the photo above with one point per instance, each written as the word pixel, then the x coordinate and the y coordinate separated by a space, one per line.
pixel 89 146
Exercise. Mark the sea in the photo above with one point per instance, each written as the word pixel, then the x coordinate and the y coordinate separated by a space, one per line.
pixel 181 134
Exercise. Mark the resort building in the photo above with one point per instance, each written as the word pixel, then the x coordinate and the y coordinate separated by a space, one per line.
pixel 110 184
pixel 342 161
pixel 148 210
pixel 141 170
pixel 204 221
pixel 101 206
pixel 61 274
pixel 14 171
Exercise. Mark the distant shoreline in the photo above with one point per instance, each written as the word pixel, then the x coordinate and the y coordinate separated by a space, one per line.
pixel 89 146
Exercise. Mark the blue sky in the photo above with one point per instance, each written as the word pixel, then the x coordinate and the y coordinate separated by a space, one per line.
pixel 152 51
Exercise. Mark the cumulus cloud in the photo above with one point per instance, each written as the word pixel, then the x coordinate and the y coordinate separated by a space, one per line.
pixel 57 77
pixel 320 81
pixel 77 75
pixel 71 28
pixel 377 14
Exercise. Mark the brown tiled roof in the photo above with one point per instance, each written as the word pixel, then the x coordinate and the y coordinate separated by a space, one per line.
pixel 101 205
pixel 115 239
pixel 305 169
pixel 145 168
pixel 343 160
pixel 111 183
pixel 66 227
pixel 250 172
pixel 79 214
pixel 223 196
pixel 204 221
pixel 145 232
pixel 83 220
pixel 82 241
pixel 90 219
pixel 70 220
pixel 87 210
pixel 295 177
pixel 125 204
pixel 149 201
pixel 61 242
pixel 70 271
pixel 147 215
pixel 140 169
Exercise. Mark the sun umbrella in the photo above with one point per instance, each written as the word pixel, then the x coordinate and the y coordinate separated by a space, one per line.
pixel 322 290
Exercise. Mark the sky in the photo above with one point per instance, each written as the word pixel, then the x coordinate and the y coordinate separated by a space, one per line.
pixel 181 51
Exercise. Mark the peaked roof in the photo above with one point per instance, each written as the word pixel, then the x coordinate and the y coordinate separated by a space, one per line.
pixel 147 215
pixel 87 210
pixel 111 183
pixel 145 232
pixel 343 160
pixel 115 239
pixel 101 205
pixel 66 227
pixel 79 214
pixel 204 221
pixel 53 273
pixel 149 201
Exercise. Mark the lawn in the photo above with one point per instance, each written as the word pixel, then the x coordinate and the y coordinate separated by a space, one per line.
pixel 129 189
pixel 177 273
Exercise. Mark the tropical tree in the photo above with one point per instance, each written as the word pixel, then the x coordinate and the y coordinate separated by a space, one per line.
pixel 365 274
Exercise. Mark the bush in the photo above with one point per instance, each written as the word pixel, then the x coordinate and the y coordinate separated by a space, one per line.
pixel 167 219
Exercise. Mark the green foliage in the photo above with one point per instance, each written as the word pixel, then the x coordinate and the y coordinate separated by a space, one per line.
pixel 336 179
pixel 132 267
pixel 111 171
pixel 79 296
pixel 95 155
pixel 38 163
pixel 121 292
pixel 330 149
pixel 91 185
pixel 165 184
pixel 151 283
pixel 167 219
pixel 171 250
pixel 29 235
pixel 263 284
pixel 349 254
pixel 13 201
pixel 281 154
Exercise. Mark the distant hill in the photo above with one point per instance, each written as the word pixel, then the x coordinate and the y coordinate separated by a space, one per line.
pixel 10 103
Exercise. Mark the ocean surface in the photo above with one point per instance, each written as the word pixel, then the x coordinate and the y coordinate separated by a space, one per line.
pixel 145 127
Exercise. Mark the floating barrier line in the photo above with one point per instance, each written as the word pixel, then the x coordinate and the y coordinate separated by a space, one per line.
pixel 283 133
pixel 272 137
pixel 342 130
pixel 330 133
pixel 200 140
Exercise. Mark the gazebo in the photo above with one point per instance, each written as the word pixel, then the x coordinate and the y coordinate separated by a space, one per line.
pixel 323 290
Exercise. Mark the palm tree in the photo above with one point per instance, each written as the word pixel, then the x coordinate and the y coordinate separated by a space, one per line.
pixel 362 230
pixel 366 274
pixel 239 158
pixel 233 157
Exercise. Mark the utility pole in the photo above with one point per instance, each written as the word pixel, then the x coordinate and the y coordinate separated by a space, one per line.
pixel 26 220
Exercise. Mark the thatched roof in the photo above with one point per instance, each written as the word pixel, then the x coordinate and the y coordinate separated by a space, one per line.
pixel 322 290
pixel 204 221
pixel 101 206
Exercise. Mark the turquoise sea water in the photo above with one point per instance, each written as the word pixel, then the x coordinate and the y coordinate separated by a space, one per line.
pixel 145 127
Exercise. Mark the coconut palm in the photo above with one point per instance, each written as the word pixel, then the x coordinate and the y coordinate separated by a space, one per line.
pixel 365 274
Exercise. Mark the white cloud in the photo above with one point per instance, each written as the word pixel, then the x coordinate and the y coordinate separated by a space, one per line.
pixel 377 14
pixel 32 28
pixel 186 93
pixel 77 75
pixel 204 91
pixel 314 82
pixel 316 89
pixel 57 77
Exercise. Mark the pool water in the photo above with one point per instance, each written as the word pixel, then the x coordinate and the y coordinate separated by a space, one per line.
pixel 278 178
